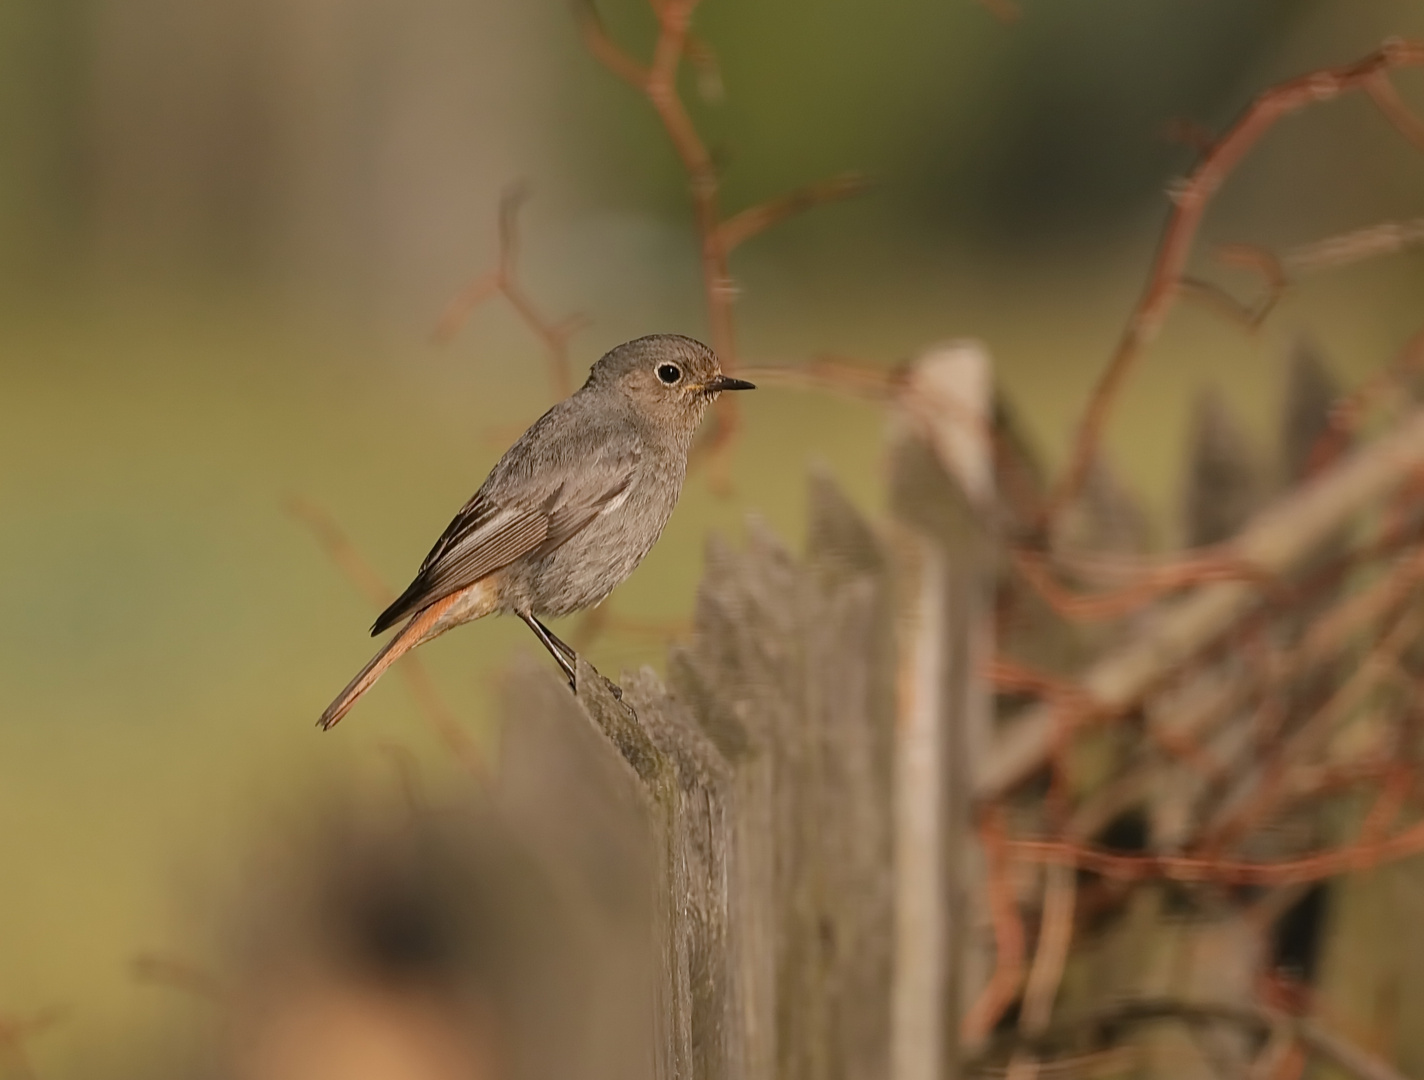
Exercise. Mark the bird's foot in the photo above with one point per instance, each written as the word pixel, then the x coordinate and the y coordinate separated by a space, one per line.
pixel 608 684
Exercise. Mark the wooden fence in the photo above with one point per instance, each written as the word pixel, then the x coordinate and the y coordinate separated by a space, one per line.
pixel 906 812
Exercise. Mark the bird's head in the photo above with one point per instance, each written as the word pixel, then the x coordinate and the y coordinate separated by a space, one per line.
pixel 669 378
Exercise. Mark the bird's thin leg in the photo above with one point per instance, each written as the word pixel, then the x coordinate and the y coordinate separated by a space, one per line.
pixel 566 656
pixel 562 654
pixel 563 646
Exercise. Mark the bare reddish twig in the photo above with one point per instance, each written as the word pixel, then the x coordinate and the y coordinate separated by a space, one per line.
pixel 834 375
pixel 16 1033
pixel 1399 782
pixel 408 777
pixel 178 973
pixel 1388 101
pixel 503 280
pixel 1189 133
pixel 1247 257
pixel 1055 937
pixel 1371 242
pixel 1005 11
pixel 657 81
pixel 1190 200
pixel 1009 950
pixel 360 572
pixel 1151 583
pixel 1350 858
pixel 1350 412
pixel 1376 666
pixel 755 220
pixel 1007 674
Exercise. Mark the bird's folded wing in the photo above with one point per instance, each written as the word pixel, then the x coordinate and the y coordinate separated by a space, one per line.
pixel 485 537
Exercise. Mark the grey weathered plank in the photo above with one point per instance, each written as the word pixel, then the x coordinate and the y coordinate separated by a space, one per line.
pixel 755 796
pixel 1310 392
pixel 942 717
pixel 1223 485
pixel 786 674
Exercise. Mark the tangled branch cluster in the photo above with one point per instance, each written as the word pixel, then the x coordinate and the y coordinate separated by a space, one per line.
pixel 1238 702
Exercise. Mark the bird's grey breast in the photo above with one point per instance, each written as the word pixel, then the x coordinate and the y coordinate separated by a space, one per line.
pixel 610 453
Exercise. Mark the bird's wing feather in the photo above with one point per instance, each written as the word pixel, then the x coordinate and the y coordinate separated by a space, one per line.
pixel 512 521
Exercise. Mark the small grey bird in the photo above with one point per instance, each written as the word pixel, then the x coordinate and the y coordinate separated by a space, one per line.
pixel 569 511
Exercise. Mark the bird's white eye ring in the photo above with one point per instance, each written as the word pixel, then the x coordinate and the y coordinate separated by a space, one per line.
pixel 669 373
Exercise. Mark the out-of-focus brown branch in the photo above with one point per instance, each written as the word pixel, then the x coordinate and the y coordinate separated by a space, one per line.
pixel 1388 101
pixel 834 375
pixel 1375 667
pixel 1055 936
pixel 1349 413
pixel 1261 1022
pixel 696 51
pixel 1349 858
pixel 16 1033
pixel 408 777
pixel 1190 200
pixel 1181 730
pixel 360 573
pixel 607 51
pixel 1280 1059
pixel 1151 583
pixel 1245 257
pixel 1190 133
pixel 657 81
pixel 1011 676
pixel 1398 784
pixel 1387 238
pixel 178 973
pixel 1275 541
pixel 1009 950
pixel 503 280
pixel 755 220
pixel 1277 272
pixel 1005 11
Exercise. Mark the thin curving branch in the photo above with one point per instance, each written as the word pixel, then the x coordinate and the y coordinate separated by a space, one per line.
pixel 1260 1022
pixel 755 220
pixel 504 281
pixel 15 1035
pixel 362 574
pixel 1190 200
pixel 718 235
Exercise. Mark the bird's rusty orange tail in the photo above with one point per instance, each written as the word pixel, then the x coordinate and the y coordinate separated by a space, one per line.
pixel 409 636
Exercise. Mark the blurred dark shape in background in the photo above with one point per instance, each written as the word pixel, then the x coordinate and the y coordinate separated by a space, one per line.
pixel 354 147
pixel 423 940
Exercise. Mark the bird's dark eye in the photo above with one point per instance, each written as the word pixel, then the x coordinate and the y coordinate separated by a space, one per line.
pixel 669 373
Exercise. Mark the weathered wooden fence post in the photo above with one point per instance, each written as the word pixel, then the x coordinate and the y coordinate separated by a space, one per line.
pixel 941 486
pixel 789 824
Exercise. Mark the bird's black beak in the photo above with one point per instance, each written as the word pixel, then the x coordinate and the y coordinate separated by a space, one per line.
pixel 718 383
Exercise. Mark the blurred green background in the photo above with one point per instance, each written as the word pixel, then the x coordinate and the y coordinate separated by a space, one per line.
pixel 227 230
